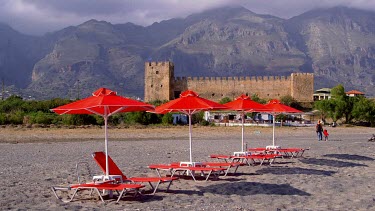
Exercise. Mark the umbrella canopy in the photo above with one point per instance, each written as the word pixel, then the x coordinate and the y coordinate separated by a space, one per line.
pixel 189 103
pixel 244 104
pixel 103 102
pixel 275 107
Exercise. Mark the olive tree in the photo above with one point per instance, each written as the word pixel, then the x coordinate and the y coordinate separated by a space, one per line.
pixel 364 109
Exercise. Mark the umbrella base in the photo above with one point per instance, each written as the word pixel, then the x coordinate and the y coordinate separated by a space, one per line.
pixel 273 147
pixel 194 164
pixel 241 153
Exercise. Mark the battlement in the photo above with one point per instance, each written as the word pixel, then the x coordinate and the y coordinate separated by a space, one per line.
pixel 302 74
pixel 242 78
pixel 165 63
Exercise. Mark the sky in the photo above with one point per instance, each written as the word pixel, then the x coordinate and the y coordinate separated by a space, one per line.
pixel 36 17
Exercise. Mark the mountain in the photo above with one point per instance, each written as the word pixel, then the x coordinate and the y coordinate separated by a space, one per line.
pixel 340 45
pixel 336 44
pixel 18 54
pixel 233 42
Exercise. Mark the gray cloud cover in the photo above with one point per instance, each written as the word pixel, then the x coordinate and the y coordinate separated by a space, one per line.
pixel 41 16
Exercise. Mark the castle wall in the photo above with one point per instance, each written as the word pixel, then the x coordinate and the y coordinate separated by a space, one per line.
pixel 299 85
pixel 216 88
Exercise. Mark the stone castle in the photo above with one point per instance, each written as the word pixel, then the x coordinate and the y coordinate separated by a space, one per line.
pixel 160 84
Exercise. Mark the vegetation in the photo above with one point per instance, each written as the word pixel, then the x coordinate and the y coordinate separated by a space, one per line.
pixel 15 110
pixel 256 98
pixel 357 110
pixel 225 100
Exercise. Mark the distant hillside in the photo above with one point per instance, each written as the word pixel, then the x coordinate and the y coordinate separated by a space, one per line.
pixel 337 45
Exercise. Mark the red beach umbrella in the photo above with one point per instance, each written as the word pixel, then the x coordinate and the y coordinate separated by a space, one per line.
pixel 189 103
pixel 244 104
pixel 103 102
pixel 275 107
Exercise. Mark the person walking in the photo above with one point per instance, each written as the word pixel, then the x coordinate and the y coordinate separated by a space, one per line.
pixel 319 130
pixel 326 134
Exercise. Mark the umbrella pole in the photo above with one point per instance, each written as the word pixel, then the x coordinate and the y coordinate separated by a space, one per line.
pixel 191 156
pixel 242 117
pixel 273 130
pixel 106 146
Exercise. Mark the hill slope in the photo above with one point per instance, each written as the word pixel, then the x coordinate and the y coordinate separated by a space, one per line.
pixel 336 44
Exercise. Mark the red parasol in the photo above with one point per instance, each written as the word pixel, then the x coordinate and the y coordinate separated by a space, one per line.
pixel 244 104
pixel 103 102
pixel 275 107
pixel 189 103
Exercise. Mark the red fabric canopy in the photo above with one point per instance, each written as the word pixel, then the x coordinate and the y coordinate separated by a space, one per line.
pixel 103 102
pixel 244 103
pixel 189 103
pixel 275 106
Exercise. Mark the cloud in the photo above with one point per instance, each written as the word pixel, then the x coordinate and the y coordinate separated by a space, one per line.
pixel 40 16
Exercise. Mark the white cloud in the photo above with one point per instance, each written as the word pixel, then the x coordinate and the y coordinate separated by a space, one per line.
pixel 40 16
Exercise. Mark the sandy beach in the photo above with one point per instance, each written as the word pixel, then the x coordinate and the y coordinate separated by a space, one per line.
pixel 335 175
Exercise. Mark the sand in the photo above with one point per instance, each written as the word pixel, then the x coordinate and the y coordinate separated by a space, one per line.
pixel 335 175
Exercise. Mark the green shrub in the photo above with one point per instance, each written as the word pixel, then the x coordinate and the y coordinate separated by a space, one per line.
pixel 78 119
pixel 16 117
pixel 204 123
pixel 99 120
pixel 3 119
pixel 167 119
pixel 41 118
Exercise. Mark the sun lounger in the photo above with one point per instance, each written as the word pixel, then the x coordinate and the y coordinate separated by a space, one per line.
pixel 249 159
pixel 284 152
pixel 226 158
pixel 291 152
pixel 253 159
pixel 122 189
pixel 226 165
pixel 99 157
pixel 188 170
pixel 257 150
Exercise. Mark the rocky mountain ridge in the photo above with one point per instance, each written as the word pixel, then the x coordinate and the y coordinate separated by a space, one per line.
pixel 336 44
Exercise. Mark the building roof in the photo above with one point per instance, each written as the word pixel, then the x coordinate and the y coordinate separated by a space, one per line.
pixel 323 90
pixel 355 92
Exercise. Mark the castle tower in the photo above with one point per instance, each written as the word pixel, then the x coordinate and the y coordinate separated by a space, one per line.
pixel 302 87
pixel 158 81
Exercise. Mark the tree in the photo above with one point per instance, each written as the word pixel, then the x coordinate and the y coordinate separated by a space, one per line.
pixel 343 104
pixel 256 98
pixel 287 100
pixel 364 109
pixel 325 107
pixel 290 101
pixel 225 100
pixel 338 91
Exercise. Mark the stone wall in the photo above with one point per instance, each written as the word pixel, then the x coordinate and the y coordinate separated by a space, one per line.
pixel 299 85
pixel 158 81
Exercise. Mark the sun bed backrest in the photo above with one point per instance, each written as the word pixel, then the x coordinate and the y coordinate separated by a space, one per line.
pixel 99 158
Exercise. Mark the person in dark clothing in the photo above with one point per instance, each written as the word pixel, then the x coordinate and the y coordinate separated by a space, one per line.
pixel 319 130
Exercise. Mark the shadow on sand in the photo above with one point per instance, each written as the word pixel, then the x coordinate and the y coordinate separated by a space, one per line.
pixel 349 157
pixel 294 170
pixel 252 188
pixel 331 163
